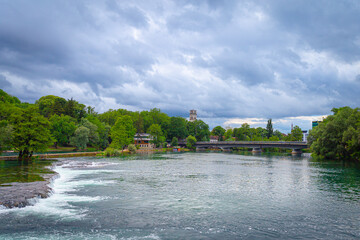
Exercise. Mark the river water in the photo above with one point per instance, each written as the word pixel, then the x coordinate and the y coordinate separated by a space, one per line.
pixel 193 196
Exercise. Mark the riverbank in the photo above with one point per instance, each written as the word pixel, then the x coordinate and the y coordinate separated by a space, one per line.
pixel 55 155
pixel 91 154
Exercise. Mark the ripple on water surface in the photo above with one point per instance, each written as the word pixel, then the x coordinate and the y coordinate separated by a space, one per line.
pixel 193 196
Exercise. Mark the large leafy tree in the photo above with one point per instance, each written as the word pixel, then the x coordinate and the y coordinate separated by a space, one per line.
pixel 278 134
pixel 80 138
pixel 243 133
pixel 122 133
pixel 93 133
pixel 31 132
pixel 50 105
pixel 239 134
pixel 218 131
pixel 103 131
pixel 62 128
pixel 338 136
pixel 228 134
pixel 75 109
pixel 177 128
pixel 6 136
pixel 156 133
pixel 296 134
pixel 199 129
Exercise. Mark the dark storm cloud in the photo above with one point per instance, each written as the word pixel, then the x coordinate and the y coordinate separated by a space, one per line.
pixel 228 59
pixel 3 82
pixel 326 25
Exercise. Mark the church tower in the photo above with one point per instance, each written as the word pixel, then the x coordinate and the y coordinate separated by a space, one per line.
pixel 193 115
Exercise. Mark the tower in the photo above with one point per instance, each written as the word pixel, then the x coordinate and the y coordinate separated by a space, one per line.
pixel 193 115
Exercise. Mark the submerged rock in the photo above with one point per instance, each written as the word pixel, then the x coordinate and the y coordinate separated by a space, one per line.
pixel 22 194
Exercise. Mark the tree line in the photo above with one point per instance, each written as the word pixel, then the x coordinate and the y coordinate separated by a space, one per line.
pixel 247 133
pixel 52 120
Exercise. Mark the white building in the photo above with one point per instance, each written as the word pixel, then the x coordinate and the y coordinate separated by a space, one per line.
pixel 305 136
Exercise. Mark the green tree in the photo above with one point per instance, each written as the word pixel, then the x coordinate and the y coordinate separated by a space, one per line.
pixel 80 138
pixel 177 128
pixel 103 131
pixel 199 129
pixel 261 134
pixel 122 133
pixel 93 133
pixel 218 131
pixel 269 129
pixel 278 134
pixel 50 105
pixel 7 98
pixel 239 135
pixel 6 136
pixel 62 128
pixel 274 138
pixel 157 134
pixel 338 136
pixel 174 142
pixel 31 132
pixel 296 134
pixel 228 134
pixel 190 142
pixel 75 109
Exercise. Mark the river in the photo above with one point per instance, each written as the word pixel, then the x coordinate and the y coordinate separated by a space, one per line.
pixel 193 196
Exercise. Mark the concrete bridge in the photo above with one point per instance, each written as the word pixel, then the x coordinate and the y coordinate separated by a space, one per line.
pixel 255 145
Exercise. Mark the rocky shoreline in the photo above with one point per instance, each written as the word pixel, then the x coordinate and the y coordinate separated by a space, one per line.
pixel 22 194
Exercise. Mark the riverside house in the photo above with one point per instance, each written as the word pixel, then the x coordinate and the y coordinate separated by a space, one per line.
pixel 143 140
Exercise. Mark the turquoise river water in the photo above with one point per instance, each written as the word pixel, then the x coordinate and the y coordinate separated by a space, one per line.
pixel 193 196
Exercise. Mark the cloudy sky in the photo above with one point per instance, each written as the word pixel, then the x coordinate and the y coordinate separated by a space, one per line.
pixel 233 61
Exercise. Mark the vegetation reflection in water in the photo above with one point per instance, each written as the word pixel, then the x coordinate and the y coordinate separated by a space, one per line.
pixel 23 171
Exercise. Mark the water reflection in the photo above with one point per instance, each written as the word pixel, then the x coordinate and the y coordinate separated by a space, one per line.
pixel 23 171
pixel 338 178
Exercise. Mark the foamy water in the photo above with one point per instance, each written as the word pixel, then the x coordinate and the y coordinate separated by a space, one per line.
pixel 61 202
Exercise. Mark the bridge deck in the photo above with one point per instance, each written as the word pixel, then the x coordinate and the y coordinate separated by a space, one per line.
pixel 252 144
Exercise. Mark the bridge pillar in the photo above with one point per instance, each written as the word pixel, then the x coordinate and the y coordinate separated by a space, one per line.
pixel 296 151
pixel 256 150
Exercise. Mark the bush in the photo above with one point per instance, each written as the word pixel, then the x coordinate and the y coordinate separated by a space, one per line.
pixel 132 148
pixel 137 146
pixel 190 142
pixel 174 142
pixel 112 152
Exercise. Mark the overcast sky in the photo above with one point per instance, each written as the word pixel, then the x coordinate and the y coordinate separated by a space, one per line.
pixel 233 61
